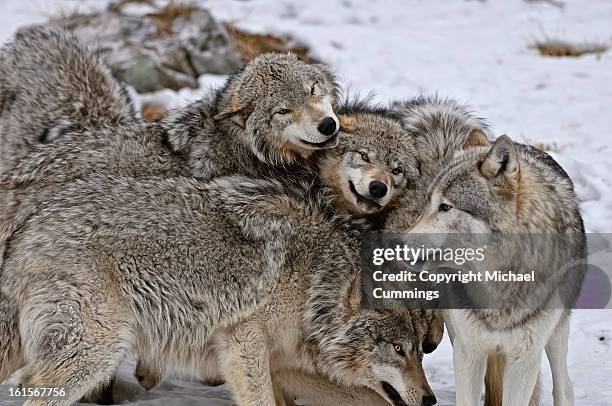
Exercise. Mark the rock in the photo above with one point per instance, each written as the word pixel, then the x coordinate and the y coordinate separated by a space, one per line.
pixel 167 48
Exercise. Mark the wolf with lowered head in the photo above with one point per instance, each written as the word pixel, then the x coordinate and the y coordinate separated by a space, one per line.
pixel 162 266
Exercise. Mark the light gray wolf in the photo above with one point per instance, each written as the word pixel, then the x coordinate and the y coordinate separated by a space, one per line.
pixel 162 266
pixel 52 84
pixel 373 165
pixel 272 114
pixel 276 111
pixel 510 190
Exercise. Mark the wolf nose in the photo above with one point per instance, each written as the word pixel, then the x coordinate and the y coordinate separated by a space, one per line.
pixel 327 126
pixel 378 189
pixel 429 400
pixel 429 347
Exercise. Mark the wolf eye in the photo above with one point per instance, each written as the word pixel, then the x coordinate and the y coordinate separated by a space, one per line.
pixel 283 111
pixel 399 349
pixel 396 171
pixel 365 156
pixel 444 207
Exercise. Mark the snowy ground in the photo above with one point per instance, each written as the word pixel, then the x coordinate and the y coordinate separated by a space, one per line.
pixel 478 53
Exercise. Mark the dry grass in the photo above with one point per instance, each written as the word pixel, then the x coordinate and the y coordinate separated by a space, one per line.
pixel 153 112
pixel 559 48
pixel 165 16
pixel 250 45
pixel 547 146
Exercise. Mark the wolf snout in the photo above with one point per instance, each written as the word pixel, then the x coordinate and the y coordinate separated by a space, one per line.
pixel 378 189
pixel 328 126
pixel 429 400
pixel 429 347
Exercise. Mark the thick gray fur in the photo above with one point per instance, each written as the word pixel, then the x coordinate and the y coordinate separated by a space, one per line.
pixel 160 266
pixel 440 126
pixel 52 84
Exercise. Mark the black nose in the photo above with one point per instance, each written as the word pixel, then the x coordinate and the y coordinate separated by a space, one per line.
pixel 378 189
pixel 327 126
pixel 429 347
pixel 429 400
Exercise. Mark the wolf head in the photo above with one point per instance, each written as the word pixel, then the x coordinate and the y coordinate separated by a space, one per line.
pixel 280 107
pixel 373 164
pixel 500 187
pixel 383 349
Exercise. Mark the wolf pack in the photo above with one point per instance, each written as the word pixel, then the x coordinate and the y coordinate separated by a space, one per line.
pixel 222 243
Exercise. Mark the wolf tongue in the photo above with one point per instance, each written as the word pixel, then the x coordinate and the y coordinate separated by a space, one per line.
pixel 393 394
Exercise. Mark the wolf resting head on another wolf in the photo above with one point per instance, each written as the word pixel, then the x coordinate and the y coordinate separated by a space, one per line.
pixel 374 164
pixel 277 110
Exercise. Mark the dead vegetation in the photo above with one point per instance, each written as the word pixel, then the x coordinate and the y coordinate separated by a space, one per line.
pixel 165 16
pixel 250 45
pixel 153 112
pixel 560 48
pixel 547 146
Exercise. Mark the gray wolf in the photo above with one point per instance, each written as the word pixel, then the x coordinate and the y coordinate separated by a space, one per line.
pixel 373 150
pixel 277 111
pixel 52 84
pixel 272 114
pixel 509 189
pixel 373 165
pixel 162 266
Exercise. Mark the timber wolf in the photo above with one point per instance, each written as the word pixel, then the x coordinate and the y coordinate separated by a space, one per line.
pixel 373 165
pixel 510 191
pixel 50 85
pixel 159 266
pixel 277 111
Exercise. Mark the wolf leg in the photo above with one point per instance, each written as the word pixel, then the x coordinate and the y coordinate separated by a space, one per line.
pixel 470 369
pixel 147 375
pixel 11 356
pixel 556 351
pixel 520 379
pixel 280 396
pixel 74 344
pixel 245 362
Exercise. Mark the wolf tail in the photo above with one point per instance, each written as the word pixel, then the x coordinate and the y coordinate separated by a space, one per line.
pixel 52 84
pixel 494 382
pixel 10 342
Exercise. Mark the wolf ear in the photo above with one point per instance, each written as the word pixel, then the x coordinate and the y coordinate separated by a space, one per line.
pixel 477 138
pixel 354 294
pixel 501 164
pixel 347 123
pixel 435 331
pixel 233 110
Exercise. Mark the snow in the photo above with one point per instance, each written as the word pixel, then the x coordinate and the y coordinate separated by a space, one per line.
pixel 477 52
